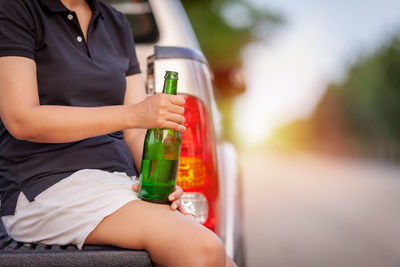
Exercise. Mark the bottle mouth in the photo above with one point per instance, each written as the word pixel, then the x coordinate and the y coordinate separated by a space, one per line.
pixel 171 74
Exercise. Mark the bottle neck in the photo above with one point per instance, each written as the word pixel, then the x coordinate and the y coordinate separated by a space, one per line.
pixel 170 86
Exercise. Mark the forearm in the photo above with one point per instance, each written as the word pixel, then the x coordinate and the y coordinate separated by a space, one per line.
pixel 60 124
pixel 134 138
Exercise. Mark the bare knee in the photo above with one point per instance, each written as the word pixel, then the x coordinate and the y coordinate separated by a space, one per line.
pixel 210 250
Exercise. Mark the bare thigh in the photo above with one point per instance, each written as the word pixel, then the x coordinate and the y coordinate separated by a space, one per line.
pixel 170 237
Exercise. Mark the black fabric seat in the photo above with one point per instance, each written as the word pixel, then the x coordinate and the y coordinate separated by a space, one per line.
pixel 14 253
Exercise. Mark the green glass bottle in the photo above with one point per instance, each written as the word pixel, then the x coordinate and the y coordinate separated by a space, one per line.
pixel 160 159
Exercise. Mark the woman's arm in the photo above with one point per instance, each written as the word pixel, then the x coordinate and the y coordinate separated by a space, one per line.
pixel 134 138
pixel 26 119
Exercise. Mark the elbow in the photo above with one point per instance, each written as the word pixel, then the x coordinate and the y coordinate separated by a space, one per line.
pixel 20 130
pixel 19 134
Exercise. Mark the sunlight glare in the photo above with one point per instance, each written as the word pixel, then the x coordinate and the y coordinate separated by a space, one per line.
pixel 283 82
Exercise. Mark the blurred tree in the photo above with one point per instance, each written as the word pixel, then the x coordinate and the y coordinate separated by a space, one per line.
pixel 223 28
pixel 360 116
pixel 370 96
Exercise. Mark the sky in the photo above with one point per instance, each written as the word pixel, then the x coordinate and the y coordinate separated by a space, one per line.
pixel 287 72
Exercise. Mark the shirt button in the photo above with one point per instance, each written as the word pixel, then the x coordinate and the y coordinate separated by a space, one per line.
pixel 79 39
pixel 70 16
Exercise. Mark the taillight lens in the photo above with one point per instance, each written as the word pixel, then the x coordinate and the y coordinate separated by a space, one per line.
pixel 197 173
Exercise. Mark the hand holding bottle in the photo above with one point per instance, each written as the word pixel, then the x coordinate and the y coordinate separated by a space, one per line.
pixel 161 111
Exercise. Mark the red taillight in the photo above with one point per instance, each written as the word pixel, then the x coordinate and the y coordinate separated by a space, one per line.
pixel 197 173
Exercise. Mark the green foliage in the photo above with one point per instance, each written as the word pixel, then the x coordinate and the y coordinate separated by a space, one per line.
pixel 370 96
pixel 220 41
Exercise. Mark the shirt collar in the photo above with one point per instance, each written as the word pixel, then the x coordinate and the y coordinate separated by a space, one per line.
pixel 57 6
pixel 54 5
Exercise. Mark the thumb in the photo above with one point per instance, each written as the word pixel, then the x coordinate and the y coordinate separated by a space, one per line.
pixel 135 187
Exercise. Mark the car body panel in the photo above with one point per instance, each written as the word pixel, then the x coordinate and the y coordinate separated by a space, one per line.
pixel 195 78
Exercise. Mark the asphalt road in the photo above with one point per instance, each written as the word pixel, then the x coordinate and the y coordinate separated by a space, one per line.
pixel 308 211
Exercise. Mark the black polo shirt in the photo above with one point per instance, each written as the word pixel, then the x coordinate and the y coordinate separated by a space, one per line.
pixel 70 72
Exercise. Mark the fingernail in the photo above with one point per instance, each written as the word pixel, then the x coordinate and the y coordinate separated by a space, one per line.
pixel 174 206
pixel 171 197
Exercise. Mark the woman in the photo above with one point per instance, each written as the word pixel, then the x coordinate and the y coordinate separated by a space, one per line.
pixel 69 86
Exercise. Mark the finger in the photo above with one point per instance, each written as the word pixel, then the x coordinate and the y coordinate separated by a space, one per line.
pixel 176 109
pixel 176 204
pixel 176 194
pixel 176 118
pixel 177 100
pixel 135 187
pixel 174 126
pixel 182 209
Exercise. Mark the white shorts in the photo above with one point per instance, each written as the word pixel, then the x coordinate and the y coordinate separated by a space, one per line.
pixel 67 212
